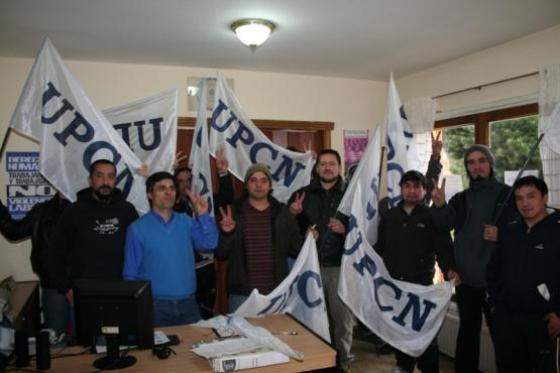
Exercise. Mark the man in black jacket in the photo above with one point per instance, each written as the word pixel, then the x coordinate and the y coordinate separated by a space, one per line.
pixel 473 215
pixel 256 238
pixel 409 244
pixel 524 284
pixel 316 206
pixel 40 224
pixel 89 241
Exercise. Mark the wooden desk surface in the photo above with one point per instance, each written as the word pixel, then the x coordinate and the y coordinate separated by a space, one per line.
pixel 318 354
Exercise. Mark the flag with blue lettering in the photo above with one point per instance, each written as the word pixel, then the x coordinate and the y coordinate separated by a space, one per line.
pixel 244 145
pixel 149 127
pixel 54 110
pixel 199 159
pixel 300 294
pixel 405 315
pixel 366 176
pixel 401 147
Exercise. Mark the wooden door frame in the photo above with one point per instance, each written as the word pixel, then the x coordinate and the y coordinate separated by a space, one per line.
pixel 325 128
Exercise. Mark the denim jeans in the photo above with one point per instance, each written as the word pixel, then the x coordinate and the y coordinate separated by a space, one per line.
pixel 56 310
pixel 176 312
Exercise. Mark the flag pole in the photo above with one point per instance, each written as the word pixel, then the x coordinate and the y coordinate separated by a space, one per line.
pixel 5 142
pixel 519 175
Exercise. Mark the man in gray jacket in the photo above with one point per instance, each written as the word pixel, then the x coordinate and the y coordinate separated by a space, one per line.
pixel 474 215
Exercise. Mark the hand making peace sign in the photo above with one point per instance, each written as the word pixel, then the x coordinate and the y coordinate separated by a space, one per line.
pixel 296 207
pixel 227 224
pixel 438 193
pixel 437 145
pixel 199 203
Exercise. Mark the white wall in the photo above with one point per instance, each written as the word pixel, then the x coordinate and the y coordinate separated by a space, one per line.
pixel 351 104
pixel 517 57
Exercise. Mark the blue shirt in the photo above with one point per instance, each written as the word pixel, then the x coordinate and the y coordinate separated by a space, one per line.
pixel 162 252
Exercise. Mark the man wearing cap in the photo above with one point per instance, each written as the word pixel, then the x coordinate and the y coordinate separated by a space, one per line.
pixel 257 236
pixel 410 243
pixel 474 215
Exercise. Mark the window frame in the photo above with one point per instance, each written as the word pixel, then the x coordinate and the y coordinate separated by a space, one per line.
pixel 482 120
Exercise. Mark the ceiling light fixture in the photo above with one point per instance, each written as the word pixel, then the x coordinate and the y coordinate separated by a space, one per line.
pixel 252 32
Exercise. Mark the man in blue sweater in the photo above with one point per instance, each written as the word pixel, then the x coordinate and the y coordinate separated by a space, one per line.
pixel 159 247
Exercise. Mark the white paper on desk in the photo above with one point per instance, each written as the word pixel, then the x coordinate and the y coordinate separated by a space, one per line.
pixel 231 346
pixel 159 338
pixel 257 334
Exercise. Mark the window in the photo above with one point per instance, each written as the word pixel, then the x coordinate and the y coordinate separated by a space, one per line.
pixel 510 133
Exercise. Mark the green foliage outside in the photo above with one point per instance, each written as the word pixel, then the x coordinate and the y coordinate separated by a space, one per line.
pixel 511 142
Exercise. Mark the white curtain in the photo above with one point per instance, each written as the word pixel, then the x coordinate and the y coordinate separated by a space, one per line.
pixel 549 99
pixel 421 113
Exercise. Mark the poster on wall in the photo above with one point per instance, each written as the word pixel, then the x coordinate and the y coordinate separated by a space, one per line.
pixel 355 143
pixel 26 186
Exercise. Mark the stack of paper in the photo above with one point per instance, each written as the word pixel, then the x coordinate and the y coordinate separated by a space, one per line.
pixel 237 353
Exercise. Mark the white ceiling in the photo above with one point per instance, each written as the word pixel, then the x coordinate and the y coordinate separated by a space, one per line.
pixel 363 39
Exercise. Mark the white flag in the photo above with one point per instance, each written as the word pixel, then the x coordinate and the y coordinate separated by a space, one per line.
pixel 244 145
pixel 199 159
pixel 405 315
pixel 54 110
pixel 401 147
pixel 300 294
pixel 367 177
pixel 149 127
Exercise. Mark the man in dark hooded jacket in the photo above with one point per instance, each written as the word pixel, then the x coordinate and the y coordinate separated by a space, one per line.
pixel 474 215
pixel 91 235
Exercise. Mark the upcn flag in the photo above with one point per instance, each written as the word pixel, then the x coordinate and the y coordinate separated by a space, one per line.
pixel 149 127
pixel 300 294
pixel 54 110
pixel 367 178
pixel 199 159
pixel 405 315
pixel 401 148
pixel 244 145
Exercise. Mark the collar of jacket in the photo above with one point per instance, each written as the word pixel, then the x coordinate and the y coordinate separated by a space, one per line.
pixel 87 195
pixel 416 207
pixel 316 185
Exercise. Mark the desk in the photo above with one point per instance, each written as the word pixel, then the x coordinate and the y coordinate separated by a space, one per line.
pixel 318 354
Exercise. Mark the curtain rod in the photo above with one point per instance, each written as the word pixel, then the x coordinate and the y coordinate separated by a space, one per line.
pixel 486 84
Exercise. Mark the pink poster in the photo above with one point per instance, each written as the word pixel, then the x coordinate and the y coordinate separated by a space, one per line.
pixel 355 143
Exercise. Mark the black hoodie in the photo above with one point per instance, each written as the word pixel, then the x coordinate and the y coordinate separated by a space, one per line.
pixel 90 239
pixel 524 259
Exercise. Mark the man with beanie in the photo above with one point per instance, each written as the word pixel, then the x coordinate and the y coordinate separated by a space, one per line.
pixel 316 206
pixel 473 215
pixel 257 236
pixel 409 244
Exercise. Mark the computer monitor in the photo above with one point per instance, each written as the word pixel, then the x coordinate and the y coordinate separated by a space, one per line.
pixel 122 311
